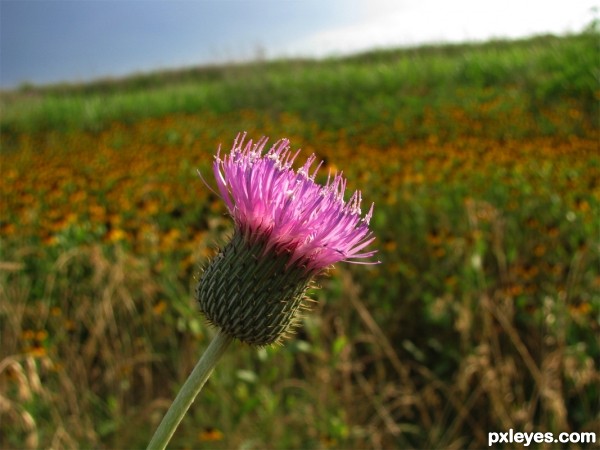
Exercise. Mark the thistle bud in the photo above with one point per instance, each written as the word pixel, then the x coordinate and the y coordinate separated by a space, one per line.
pixel 251 295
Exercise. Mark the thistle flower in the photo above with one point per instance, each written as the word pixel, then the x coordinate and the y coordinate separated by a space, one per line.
pixel 269 200
pixel 288 229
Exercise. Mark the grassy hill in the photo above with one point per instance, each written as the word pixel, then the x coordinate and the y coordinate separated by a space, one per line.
pixel 366 88
pixel 482 161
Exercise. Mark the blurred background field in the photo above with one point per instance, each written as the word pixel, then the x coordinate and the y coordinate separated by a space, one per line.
pixel 484 167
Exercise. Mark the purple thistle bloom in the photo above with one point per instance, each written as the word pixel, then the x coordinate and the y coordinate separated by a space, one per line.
pixel 287 230
pixel 270 201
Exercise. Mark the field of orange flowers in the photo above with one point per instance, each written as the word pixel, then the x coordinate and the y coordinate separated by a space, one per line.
pixel 481 317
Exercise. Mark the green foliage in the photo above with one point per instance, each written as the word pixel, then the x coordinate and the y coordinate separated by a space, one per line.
pixel 363 89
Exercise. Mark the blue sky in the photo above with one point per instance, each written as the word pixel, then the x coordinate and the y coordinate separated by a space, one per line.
pixel 46 41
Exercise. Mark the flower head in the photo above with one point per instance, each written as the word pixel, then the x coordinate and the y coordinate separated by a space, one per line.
pixel 294 214
pixel 288 228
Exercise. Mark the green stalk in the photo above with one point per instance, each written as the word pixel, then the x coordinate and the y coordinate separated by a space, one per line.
pixel 189 391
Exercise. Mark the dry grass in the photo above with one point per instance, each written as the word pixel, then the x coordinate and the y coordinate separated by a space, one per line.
pixel 98 356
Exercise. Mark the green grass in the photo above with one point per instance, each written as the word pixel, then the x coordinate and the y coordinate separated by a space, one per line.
pixel 482 161
pixel 363 89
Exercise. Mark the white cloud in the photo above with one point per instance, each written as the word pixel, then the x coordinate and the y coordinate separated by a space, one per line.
pixel 385 23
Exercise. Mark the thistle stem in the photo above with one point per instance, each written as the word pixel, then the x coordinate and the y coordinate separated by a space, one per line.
pixel 189 391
